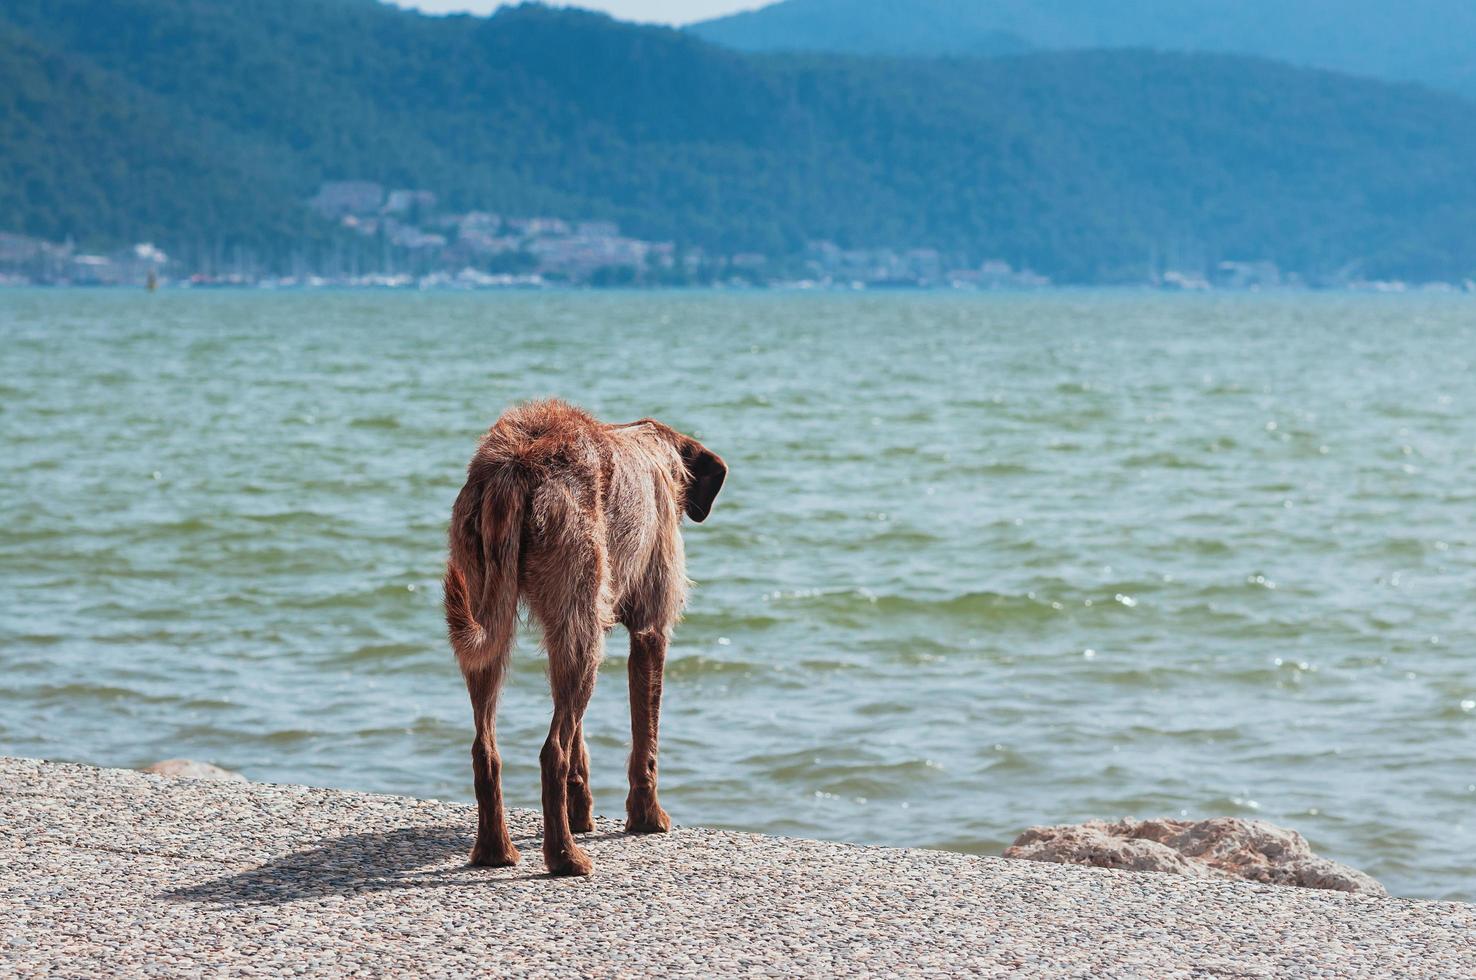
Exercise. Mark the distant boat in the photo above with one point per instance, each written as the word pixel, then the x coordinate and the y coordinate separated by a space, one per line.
pixel 153 282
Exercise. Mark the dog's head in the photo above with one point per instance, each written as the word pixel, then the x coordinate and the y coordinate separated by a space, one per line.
pixel 701 473
pixel 705 472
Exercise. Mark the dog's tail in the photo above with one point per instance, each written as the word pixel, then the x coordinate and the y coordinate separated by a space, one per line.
pixel 482 571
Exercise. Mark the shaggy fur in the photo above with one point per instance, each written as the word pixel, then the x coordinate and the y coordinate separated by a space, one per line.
pixel 581 520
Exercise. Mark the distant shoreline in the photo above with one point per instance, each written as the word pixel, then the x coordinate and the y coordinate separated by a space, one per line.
pixel 1144 289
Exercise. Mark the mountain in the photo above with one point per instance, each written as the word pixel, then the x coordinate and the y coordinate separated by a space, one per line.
pixel 868 27
pixel 1429 41
pixel 208 124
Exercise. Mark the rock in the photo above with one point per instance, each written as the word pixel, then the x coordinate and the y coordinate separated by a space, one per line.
pixel 1224 847
pixel 189 769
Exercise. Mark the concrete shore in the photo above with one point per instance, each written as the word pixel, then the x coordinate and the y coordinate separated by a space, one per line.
pixel 110 871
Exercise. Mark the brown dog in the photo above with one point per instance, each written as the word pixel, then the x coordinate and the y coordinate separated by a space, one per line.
pixel 582 521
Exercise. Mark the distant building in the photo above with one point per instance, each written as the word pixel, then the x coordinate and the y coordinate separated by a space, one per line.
pixel 597 229
pixel 481 222
pixel 18 248
pixel 1249 275
pixel 539 227
pixel 924 264
pixel 580 257
pixel 999 274
pixel 1191 282
pixel 481 243
pixel 93 270
pixel 344 197
pixel 749 260
pixel 406 236
pixel 364 226
pixel 661 254
pixel 147 253
pixel 403 202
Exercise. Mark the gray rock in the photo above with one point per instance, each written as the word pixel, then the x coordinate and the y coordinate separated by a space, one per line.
pixel 189 769
pixel 1224 847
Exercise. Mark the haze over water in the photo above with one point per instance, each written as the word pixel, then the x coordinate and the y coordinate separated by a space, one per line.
pixel 982 562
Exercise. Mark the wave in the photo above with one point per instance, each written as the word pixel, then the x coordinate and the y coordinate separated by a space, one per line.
pixel 983 607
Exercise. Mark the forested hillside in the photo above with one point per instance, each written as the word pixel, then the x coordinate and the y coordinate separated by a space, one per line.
pixel 89 154
pixel 213 122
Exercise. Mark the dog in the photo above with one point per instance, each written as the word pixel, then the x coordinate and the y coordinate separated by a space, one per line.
pixel 581 520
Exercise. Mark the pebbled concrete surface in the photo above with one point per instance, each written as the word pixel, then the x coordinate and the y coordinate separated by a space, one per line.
pixel 110 871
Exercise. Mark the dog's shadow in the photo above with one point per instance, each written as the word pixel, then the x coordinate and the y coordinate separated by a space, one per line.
pixel 406 858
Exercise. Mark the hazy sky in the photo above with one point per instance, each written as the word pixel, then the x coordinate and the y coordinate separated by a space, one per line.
pixel 660 11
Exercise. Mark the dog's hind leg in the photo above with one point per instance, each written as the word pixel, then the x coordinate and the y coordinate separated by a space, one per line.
pixel 481 605
pixel 494 848
pixel 572 664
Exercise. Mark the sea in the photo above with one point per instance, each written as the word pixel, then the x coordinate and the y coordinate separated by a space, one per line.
pixel 983 561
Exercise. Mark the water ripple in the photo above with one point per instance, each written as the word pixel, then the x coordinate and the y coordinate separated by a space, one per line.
pixel 982 562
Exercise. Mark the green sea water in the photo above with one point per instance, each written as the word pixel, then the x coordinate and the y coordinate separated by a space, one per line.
pixel 982 562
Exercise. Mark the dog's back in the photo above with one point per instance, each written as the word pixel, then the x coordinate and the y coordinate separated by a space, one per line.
pixel 553 499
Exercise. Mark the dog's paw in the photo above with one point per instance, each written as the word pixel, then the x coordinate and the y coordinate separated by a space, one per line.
pixel 572 862
pixel 648 820
pixel 494 856
pixel 581 823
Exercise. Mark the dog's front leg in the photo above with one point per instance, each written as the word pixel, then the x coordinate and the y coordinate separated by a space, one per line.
pixel 647 663
pixel 581 799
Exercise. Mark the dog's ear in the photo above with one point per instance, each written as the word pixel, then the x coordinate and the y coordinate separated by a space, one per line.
pixel 706 472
